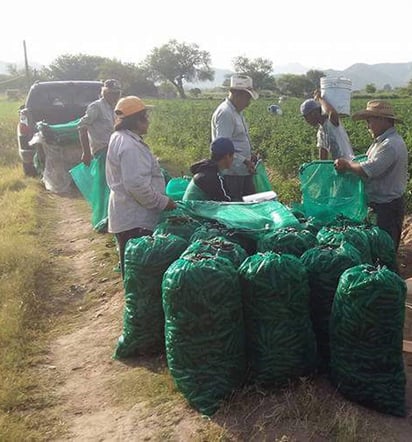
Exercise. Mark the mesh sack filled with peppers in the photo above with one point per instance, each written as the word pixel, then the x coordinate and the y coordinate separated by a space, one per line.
pixel 335 235
pixel 146 259
pixel 204 329
pixel 287 240
pixel 179 225
pixel 380 249
pixel 366 338
pixel 211 230
pixel 280 341
pixel 324 265
pixel 219 247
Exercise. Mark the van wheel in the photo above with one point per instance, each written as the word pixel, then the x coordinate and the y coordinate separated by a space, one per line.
pixel 29 170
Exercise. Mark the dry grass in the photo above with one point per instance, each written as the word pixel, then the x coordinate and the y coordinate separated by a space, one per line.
pixel 23 308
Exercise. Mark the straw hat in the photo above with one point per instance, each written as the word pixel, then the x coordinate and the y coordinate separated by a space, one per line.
pixel 376 108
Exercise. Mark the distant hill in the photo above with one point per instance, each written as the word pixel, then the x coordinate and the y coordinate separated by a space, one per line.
pixel 381 74
pixel 361 74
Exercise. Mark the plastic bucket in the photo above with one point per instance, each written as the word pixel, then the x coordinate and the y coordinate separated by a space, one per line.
pixel 337 91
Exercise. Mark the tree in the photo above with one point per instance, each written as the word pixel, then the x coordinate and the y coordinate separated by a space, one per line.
pixel 370 88
pixel 314 77
pixel 75 67
pixel 295 85
pixel 408 88
pixel 178 62
pixel 260 69
pixel 134 79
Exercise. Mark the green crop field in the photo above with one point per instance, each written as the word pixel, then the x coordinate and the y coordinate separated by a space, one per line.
pixel 180 133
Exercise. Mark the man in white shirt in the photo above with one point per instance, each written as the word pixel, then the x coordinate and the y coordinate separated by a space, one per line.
pixel 229 122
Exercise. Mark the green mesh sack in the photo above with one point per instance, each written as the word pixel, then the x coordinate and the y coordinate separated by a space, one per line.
pixel 210 230
pixel 366 338
pixel 327 193
pixel 311 224
pixel 91 182
pixel 280 341
pixel 252 217
pixel 335 235
pixel 219 247
pixel 324 265
pixel 287 240
pixel 60 134
pixel 146 260
pixel 166 175
pixel 204 329
pixel 180 225
pixel 261 179
pixel 382 247
pixel 176 187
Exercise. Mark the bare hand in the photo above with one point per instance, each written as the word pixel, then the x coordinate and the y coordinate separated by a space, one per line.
pixel 316 94
pixel 250 166
pixel 342 164
pixel 86 158
pixel 170 205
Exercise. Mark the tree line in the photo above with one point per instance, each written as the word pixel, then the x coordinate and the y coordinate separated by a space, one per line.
pixel 166 71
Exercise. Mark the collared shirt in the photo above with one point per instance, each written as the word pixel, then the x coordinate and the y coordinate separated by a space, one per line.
pixel 335 140
pixel 386 168
pixel 228 122
pixel 136 183
pixel 99 120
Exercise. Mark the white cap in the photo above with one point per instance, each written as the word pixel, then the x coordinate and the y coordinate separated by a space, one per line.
pixel 241 82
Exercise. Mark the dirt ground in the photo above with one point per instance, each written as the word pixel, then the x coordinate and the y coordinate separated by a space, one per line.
pixel 85 375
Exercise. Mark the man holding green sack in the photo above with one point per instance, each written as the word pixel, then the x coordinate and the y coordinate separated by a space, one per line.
pixel 385 170
pixel 207 182
pixel 95 129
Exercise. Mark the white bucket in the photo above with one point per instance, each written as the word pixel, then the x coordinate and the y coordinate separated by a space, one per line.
pixel 337 92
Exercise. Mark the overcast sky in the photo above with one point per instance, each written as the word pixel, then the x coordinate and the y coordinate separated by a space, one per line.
pixel 315 34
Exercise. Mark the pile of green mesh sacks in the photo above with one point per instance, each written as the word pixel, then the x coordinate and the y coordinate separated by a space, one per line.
pixel 238 297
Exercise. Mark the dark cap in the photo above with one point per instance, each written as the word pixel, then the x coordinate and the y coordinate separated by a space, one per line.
pixel 222 146
pixel 112 85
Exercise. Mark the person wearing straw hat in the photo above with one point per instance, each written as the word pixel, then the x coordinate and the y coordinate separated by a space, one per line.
pixel 332 138
pixel 385 170
pixel 137 186
pixel 229 122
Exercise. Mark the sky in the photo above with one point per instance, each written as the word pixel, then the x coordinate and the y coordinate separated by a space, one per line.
pixel 318 35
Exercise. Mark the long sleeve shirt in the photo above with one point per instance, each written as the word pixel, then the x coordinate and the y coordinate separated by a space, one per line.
pixel 136 183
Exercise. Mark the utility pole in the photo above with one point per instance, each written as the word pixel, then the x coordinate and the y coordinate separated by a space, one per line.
pixel 26 66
